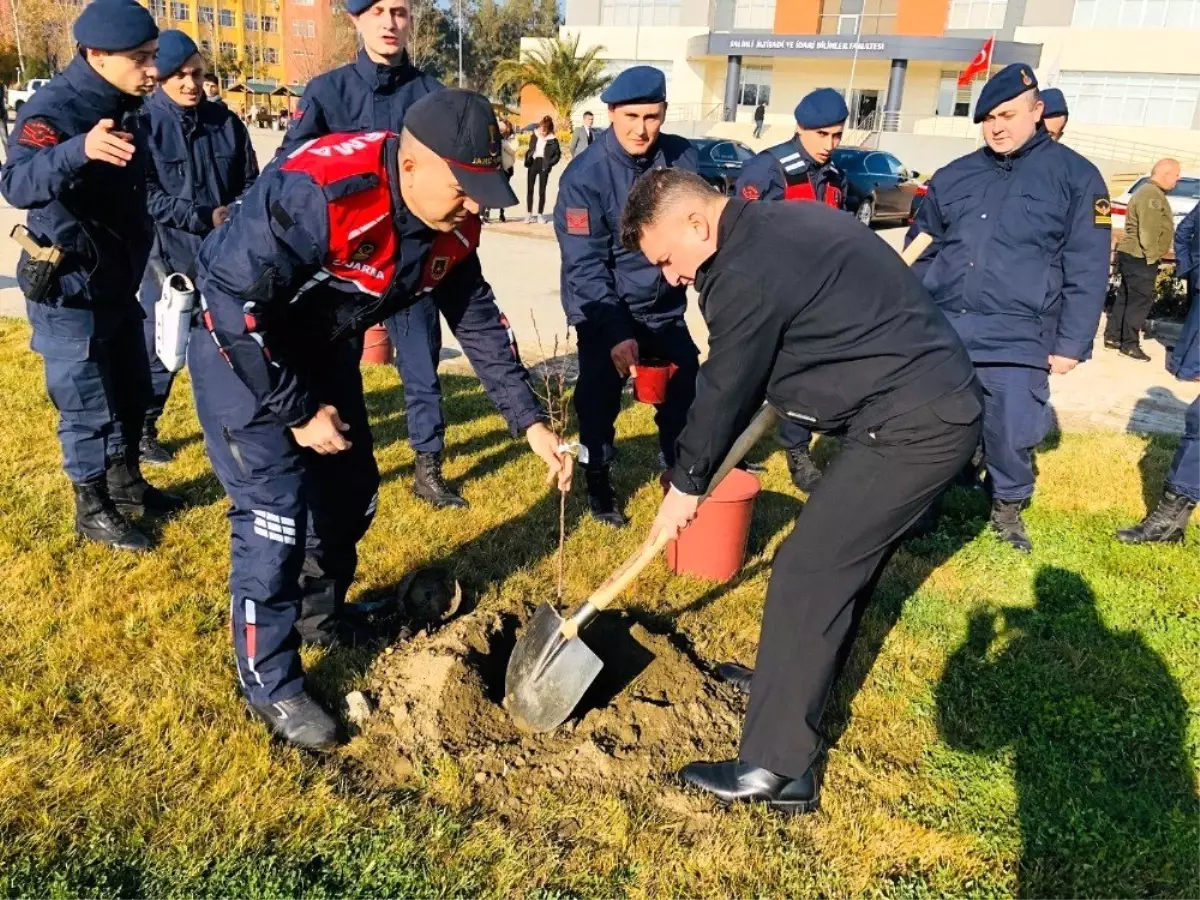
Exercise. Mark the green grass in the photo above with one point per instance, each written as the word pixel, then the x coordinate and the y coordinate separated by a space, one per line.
pixel 1008 725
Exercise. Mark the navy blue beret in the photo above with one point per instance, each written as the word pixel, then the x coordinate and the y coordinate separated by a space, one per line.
pixel 822 108
pixel 356 7
pixel 114 25
pixel 1056 103
pixel 637 84
pixel 1011 81
pixel 174 49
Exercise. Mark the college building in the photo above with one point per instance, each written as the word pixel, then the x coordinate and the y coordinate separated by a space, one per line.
pixel 1130 69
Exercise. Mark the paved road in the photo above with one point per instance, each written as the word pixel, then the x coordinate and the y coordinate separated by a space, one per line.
pixel 521 262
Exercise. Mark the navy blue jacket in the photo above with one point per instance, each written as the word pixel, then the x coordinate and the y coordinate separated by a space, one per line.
pixel 95 211
pixel 359 96
pixel 1020 253
pixel 1187 247
pixel 603 284
pixel 269 259
pixel 763 178
pixel 202 158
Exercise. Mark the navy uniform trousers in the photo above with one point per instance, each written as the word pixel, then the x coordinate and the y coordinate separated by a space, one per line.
pixel 97 379
pixel 296 516
pixel 1184 361
pixel 1016 418
pixel 598 391
pixel 1184 475
pixel 416 333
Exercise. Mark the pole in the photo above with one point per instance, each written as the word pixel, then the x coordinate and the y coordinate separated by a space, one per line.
pixel 16 7
pixel 461 78
pixel 853 67
pixel 637 32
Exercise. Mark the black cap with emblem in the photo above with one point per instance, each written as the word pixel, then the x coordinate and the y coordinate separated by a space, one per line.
pixel 460 127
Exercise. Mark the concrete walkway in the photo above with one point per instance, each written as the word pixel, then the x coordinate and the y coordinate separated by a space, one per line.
pixel 521 262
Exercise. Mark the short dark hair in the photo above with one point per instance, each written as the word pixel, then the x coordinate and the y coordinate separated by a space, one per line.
pixel 653 192
pixel 210 78
pixel 588 113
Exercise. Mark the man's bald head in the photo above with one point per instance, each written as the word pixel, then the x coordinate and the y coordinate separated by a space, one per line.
pixel 429 186
pixel 1166 173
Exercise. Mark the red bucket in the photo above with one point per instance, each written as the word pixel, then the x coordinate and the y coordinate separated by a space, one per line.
pixel 377 346
pixel 650 379
pixel 713 547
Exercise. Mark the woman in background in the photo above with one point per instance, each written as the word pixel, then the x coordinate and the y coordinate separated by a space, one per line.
pixel 508 161
pixel 542 156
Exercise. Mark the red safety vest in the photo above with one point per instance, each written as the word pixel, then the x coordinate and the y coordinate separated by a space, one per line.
pixel 795 176
pixel 362 232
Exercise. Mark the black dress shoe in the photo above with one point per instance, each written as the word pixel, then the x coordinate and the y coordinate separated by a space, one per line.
pixel 1135 352
pixel 300 721
pixel 602 499
pixel 734 781
pixel 805 473
pixel 738 676
pixel 1111 345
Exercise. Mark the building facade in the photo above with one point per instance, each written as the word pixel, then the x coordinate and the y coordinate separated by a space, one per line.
pixel 1129 68
pixel 248 31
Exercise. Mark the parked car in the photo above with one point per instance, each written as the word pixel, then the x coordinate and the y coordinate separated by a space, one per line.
pixel 878 186
pixel 721 161
pixel 18 96
pixel 1182 198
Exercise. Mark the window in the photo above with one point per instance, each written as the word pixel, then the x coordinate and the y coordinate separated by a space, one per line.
pixel 1129 98
pixel 614 67
pixel 270 55
pixel 251 21
pixel 652 12
pixel 1187 189
pixel 858 17
pixel 756 14
pixel 304 28
pixel 158 8
pixel 270 24
pixel 756 85
pixel 250 53
pixel 302 2
pixel 228 49
pixel 206 48
pixel 877 164
pixel 225 18
pixel 1136 14
pixel 181 11
pixel 723 152
pixel 204 15
pixel 956 101
pixel 977 13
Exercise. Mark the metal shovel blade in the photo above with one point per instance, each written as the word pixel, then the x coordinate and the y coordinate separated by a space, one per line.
pixel 547 674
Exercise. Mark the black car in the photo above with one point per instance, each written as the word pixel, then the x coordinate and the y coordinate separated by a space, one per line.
pixel 878 186
pixel 721 161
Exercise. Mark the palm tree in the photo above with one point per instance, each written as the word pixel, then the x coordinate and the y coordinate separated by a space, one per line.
pixel 559 71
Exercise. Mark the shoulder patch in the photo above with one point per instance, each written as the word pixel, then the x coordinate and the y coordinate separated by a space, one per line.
pixel 39 134
pixel 751 192
pixel 1102 211
pixel 578 222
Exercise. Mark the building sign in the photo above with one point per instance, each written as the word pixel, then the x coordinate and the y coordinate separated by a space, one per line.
pixel 836 46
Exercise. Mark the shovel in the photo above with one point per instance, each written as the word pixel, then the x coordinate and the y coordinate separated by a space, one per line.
pixel 551 668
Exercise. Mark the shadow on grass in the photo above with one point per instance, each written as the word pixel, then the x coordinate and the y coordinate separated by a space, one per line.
pixel 1097 728
pixel 1160 448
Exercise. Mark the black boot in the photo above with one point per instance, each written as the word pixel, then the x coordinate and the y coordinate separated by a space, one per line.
pixel 132 493
pixel 97 518
pixel 151 452
pixel 805 473
pixel 320 608
pixel 1135 352
pixel 734 781
pixel 602 500
pixel 738 676
pixel 300 721
pixel 429 485
pixel 1006 521
pixel 1165 525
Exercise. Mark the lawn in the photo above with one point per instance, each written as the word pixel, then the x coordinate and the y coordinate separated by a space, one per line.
pixel 1007 726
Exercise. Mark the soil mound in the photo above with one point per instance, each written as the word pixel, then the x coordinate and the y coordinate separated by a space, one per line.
pixel 652 709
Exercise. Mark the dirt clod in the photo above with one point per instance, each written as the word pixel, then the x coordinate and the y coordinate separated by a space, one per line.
pixel 651 709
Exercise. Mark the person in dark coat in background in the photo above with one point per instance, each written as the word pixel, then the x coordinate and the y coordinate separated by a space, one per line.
pixel 73 164
pixel 802 169
pixel 373 93
pixel 1055 112
pixel 1021 236
pixel 201 162
pixel 543 155
pixel 212 89
pixel 1184 361
pixel 851 340
pixel 620 306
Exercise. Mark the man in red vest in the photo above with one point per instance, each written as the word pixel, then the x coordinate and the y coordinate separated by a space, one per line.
pixel 802 169
pixel 349 229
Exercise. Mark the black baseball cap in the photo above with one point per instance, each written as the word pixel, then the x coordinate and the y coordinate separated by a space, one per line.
pixel 460 127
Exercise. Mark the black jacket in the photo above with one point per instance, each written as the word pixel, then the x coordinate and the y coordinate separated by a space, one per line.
pixel 553 151
pixel 840 339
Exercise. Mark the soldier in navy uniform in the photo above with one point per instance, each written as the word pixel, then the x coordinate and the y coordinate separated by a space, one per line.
pixel 373 93
pixel 73 164
pixel 345 232
pixel 802 169
pixel 1054 116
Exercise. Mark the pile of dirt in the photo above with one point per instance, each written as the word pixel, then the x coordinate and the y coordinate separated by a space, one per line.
pixel 652 708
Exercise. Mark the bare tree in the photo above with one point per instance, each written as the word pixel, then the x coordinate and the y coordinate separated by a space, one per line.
pixel 339 47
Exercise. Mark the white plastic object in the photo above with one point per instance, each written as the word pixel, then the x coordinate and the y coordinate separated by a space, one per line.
pixel 173 320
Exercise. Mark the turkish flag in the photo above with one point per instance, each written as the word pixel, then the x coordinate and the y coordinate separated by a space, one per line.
pixel 981 63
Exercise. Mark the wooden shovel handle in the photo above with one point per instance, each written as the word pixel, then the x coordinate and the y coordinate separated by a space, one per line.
pixel 632 567
pixel 919 245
